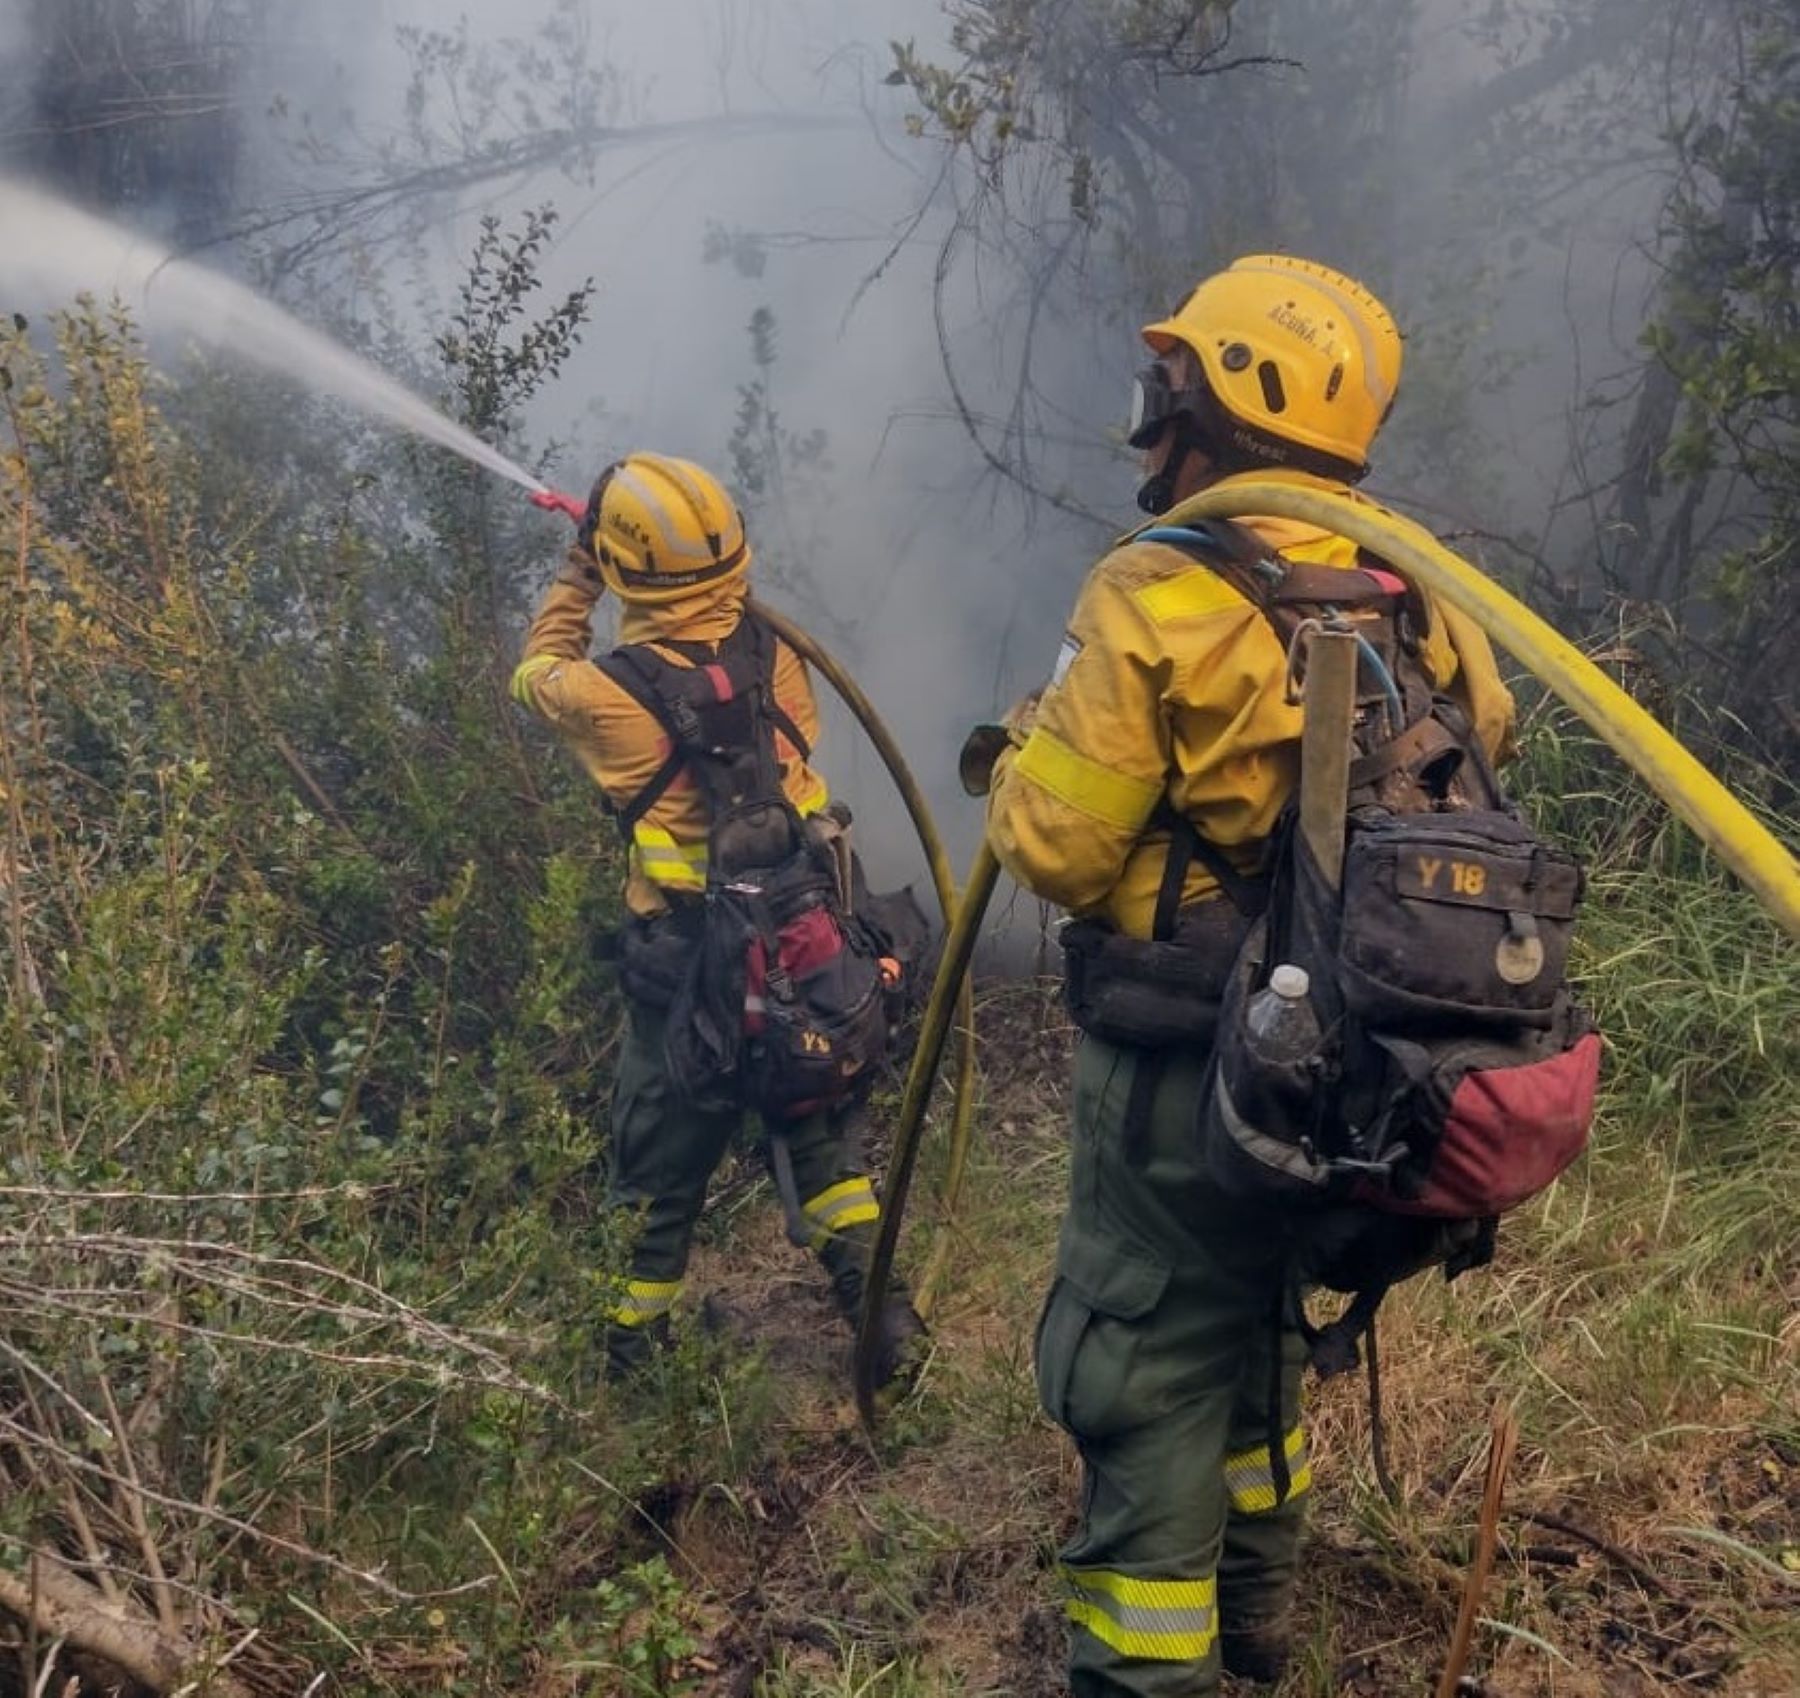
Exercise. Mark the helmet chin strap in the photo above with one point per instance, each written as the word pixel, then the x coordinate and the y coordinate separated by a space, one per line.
pixel 1156 494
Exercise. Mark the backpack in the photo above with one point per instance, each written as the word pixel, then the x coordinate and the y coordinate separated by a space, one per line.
pixel 788 984
pixel 1435 1072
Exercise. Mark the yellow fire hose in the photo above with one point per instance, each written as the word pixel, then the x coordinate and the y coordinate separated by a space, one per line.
pixel 951 982
pixel 1699 799
pixel 1716 816
pixel 943 880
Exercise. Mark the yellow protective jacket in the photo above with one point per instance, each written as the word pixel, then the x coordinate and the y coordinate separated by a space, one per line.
pixel 620 744
pixel 1170 683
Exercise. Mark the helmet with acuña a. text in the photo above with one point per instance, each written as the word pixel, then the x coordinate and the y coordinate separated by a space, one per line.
pixel 662 529
pixel 1300 366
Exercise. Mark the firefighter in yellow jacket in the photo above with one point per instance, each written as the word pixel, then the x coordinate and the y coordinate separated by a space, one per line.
pixel 665 537
pixel 1167 1336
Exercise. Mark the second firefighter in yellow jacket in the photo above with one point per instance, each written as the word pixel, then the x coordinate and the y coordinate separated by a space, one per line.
pixel 1167 1346
pixel 667 540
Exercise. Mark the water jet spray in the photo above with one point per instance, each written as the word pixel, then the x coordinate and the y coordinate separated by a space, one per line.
pixel 56 249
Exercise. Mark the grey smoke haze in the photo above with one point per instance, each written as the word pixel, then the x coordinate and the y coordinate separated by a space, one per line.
pixel 910 552
pixel 948 590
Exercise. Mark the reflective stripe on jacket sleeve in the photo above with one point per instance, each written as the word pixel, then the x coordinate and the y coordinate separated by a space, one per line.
pixel 562 629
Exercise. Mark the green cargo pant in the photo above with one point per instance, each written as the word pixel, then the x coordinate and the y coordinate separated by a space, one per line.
pixel 664 1152
pixel 1164 1343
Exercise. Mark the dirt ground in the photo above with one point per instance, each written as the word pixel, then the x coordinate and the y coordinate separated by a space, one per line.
pixel 1631 1562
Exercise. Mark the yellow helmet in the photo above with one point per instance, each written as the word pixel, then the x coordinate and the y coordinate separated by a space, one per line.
pixel 1302 361
pixel 662 528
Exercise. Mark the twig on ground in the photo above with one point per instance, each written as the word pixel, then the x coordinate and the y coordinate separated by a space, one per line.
pixel 1650 1581
pixel 1503 1441
pixel 58 1602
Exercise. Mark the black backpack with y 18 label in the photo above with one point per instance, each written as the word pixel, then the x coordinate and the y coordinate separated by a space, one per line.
pixel 1432 1070
pixel 789 973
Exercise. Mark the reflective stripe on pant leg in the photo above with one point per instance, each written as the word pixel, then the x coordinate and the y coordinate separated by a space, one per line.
pixel 663 1152
pixel 643 1301
pixel 850 1202
pixel 1166 1621
pixel 1259 1564
pixel 1250 1475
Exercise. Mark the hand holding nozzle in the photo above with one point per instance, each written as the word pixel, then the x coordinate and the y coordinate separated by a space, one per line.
pixel 578 568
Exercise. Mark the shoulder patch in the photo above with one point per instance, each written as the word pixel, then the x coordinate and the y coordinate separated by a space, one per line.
pixel 1192 594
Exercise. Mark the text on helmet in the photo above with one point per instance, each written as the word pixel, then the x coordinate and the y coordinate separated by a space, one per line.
pixel 1296 323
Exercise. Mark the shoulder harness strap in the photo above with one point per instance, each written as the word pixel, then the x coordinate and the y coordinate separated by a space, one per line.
pixel 637 670
pixel 1425 735
pixel 1250 896
pixel 763 635
pixel 1278 588
pixel 742 664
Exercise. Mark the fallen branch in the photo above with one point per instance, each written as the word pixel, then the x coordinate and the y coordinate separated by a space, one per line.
pixel 75 1464
pixel 50 1600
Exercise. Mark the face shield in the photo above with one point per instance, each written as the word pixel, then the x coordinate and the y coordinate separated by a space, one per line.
pixel 1156 403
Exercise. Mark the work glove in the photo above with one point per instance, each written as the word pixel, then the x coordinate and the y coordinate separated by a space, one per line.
pixel 580 571
pixel 985 744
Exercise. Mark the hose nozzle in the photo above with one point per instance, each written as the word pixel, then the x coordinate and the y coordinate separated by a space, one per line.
pixel 554 501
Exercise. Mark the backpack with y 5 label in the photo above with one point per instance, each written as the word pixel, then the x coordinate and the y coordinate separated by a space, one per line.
pixel 789 987
pixel 1431 1070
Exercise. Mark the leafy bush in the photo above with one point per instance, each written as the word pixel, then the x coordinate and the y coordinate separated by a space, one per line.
pixel 304 1050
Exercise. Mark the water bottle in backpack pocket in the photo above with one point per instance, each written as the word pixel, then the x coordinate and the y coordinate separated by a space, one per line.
pixel 1452 1075
pixel 1265 1111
